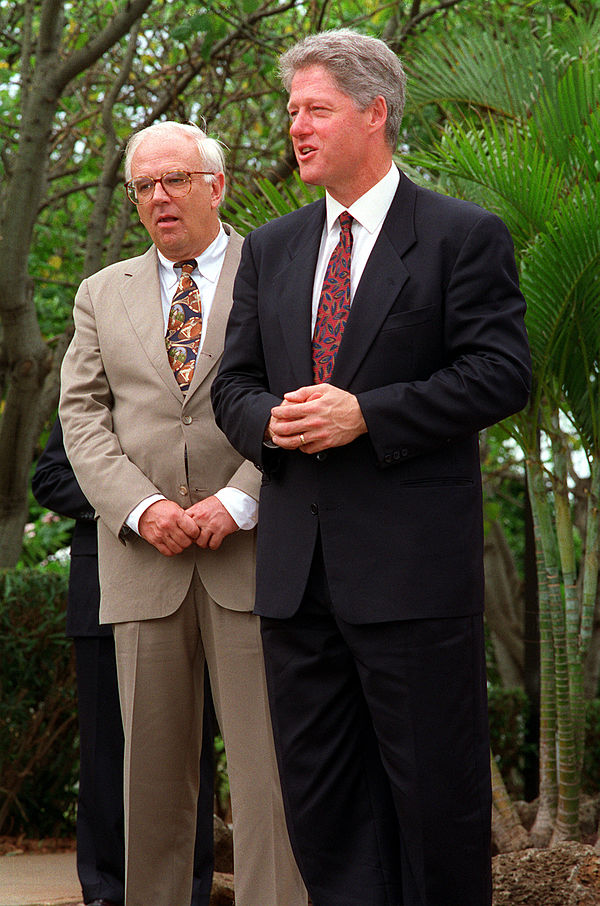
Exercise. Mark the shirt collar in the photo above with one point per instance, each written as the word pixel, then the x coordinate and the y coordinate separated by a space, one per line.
pixel 371 208
pixel 208 263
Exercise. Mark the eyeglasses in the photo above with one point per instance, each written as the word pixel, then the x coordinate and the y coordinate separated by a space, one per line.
pixel 176 184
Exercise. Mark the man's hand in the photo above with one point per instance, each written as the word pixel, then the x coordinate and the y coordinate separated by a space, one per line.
pixel 167 527
pixel 213 521
pixel 316 418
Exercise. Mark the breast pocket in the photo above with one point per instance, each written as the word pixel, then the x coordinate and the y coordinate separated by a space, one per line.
pixel 402 319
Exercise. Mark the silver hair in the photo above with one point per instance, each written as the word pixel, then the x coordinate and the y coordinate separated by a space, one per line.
pixel 362 67
pixel 210 149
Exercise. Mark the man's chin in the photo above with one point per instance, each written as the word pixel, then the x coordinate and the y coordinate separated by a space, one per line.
pixel 308 174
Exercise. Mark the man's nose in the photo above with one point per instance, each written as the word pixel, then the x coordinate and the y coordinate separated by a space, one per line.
pixel 299 125
pixel 159 193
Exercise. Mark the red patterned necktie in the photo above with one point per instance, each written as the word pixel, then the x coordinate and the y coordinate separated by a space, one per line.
pixel 185 326
pixel 334 304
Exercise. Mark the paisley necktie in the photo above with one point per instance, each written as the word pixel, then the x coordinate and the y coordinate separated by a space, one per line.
pixel 184 328
pixel 334 304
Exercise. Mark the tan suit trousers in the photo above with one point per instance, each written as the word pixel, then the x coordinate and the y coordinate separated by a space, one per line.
pixel 161 669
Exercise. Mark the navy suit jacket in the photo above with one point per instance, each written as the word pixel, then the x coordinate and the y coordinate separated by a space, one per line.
pixel 435 349
pixel 54 486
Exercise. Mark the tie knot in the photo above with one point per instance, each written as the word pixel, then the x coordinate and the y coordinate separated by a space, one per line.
pixel 346 222
pixel 186 266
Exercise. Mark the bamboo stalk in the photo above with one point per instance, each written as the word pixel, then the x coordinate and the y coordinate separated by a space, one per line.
pixel 543 826
pixel 566 826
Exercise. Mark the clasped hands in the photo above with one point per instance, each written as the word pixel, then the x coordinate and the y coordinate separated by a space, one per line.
pixel 315 418
pixel 171 529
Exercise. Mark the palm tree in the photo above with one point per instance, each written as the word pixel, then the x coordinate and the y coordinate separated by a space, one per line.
pixel 520 133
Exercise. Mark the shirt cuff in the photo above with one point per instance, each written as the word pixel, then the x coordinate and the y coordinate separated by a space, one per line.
pixel 133 519
pixel 242 508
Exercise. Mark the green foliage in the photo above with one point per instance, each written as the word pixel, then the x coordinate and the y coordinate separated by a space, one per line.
pixel 535 163
pixel 44 536
pixel 519 118
pixel 38 726
pixel 508 711
pixel 489 72
pixel 591 765
pixel 508 715
pixel 504 489
pixel 222 797
pixel 248 209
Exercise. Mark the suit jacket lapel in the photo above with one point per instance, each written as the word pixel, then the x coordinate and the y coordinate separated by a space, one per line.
pixel 142 300
pixel 380 284
pixel 214 339
pixel 292 290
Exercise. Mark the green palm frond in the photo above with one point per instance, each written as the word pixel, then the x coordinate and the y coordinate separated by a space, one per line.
pixel 560 280
pixel 565 109
pixel 508 162
pixel 582 390
pixel 578 37
pixel 247 209
pixel 587 148
pixel 499 74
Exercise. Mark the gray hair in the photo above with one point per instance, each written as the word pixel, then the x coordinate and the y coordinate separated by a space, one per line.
pixel 210 149
pixel 362 67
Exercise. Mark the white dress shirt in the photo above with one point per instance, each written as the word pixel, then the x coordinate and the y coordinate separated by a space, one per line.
pixel 369 211
pixel 240 506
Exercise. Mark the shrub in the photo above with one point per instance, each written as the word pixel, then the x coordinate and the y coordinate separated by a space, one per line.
pixel 591 758
pixel 508 709
pixel 38 722
pixel 508 712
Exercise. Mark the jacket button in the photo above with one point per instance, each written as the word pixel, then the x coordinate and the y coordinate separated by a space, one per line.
pixel 187 419
pixel 404 452
pixel 183 490
pixel 387 457
pixel 314 508
pixel 321 456
pixel 396 454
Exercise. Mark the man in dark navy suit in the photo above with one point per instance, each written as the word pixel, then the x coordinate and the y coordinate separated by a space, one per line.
pixel 373 334
pixel 100 842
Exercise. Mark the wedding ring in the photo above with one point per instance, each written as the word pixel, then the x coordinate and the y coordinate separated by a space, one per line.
pixel 302 441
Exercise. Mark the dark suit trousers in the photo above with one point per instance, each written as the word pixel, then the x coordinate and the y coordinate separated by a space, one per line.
pixel 100 842
pixel 382 740
pixel 100 839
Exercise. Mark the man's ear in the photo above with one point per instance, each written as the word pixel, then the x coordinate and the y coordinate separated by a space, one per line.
pixel 217 188
pixel 378 113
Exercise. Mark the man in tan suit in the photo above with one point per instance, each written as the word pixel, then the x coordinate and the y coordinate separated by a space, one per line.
pixel 176 508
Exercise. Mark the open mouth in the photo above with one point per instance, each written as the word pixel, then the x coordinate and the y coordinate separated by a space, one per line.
pixel 304 151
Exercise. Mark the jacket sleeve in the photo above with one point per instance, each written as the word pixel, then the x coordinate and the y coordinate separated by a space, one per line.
pixel 54 484
pixel 240 395
pixel 108 477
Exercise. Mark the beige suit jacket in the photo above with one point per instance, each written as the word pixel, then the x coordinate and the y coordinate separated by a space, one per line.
pixel 126 427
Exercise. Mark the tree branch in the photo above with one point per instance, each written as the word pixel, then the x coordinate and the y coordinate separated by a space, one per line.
pixel 112 160
pixel 27 49
pixel 50 23
pixel 82 59
pixel 71 190
pixel 425 14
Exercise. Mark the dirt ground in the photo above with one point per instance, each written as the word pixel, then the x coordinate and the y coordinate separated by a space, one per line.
pixel 48 845
pixel 568 875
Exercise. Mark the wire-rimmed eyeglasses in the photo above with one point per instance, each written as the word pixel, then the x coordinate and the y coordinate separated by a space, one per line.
pixel 176 183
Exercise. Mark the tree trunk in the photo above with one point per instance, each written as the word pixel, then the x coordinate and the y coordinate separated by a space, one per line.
pixel 504 607
pixel 541 831
pixel 508 833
